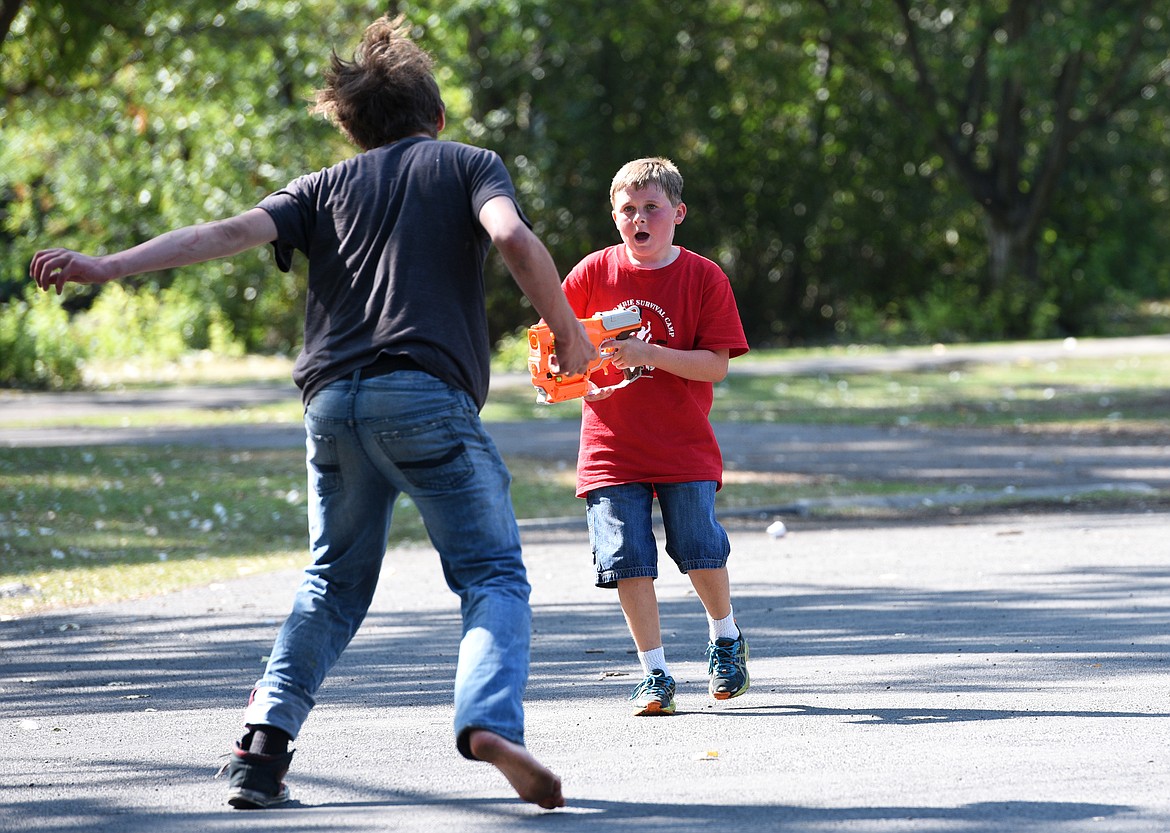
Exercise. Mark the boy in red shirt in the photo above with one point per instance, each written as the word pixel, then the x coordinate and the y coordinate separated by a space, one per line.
pixel 654 439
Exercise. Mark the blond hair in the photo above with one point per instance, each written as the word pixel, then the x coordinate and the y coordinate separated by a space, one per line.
pixel 651 170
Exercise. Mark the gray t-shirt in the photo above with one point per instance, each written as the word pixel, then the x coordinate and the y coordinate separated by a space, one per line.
pixel 396 256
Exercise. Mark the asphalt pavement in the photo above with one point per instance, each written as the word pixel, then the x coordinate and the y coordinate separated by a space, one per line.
pixel 999 672
pixel 1005 673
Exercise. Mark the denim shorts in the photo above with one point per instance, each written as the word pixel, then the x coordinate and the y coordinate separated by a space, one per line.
pixel 621 529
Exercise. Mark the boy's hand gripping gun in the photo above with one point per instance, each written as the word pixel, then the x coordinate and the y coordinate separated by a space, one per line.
pixel 553 387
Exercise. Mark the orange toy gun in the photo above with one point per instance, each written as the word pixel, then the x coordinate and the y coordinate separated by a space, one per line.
pixel 553 387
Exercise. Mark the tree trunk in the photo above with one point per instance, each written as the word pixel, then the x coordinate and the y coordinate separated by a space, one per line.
pixel 1012 275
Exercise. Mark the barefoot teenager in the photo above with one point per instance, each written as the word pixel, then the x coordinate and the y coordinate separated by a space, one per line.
pixel 393 373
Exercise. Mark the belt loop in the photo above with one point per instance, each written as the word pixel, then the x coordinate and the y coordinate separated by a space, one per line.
pixel 355 381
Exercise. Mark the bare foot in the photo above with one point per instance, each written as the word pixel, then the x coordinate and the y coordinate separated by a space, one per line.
pixel 532 780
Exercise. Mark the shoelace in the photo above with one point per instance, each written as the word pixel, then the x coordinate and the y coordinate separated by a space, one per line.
pixel 653 685
pixel 722 659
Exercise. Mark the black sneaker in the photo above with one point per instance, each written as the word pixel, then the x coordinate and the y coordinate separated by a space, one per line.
pixel 256 781
pixel 727 667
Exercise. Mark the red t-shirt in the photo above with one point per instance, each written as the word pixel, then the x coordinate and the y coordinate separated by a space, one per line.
pixel 657 429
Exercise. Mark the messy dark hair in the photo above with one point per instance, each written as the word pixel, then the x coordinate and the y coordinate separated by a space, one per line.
pixel 388 90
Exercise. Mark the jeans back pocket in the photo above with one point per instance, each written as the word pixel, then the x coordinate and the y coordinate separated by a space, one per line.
pixel 430 456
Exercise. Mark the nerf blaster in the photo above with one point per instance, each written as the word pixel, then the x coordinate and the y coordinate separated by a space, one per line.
pixel 553 387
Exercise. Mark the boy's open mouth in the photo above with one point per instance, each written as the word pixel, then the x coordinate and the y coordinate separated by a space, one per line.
pixel 642 236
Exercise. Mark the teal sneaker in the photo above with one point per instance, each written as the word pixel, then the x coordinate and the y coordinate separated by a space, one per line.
pixel 654 695
pixel 727 667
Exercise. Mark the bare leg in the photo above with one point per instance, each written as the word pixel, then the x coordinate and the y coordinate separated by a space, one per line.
pixel 532 780
pixel 714 590
pixel 640 606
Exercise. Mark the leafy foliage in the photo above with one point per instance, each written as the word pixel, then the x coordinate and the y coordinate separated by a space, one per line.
pixel 886 170
pixel 36 347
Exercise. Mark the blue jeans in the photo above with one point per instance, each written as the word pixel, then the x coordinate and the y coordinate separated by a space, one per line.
pixel 368 441
pixel 621 529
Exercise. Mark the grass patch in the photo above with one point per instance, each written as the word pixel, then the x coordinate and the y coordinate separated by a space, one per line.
pixel 100 524
pixel 1077 392
pixel 107 523
pixel 544 490
pixel 197 368
pixel 275 413
pixel 1074 392
pixel 1093 393
pixel 80 526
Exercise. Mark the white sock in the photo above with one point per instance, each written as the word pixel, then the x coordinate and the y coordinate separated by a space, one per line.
pixel 653 659
pixel 724 628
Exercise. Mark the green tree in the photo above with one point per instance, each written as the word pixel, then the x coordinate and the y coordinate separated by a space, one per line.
pixel 170 117
pixel 885 169
pixel 892 169
pixel 1009 93
pixel 788 165
pixel 569 92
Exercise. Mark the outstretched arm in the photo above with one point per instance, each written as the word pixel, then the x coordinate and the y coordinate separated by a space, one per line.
pixel 181 247
pixel 535 273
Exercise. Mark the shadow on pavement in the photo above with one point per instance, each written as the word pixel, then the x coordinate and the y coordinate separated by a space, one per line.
pixel 596 815
pixel 96 662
